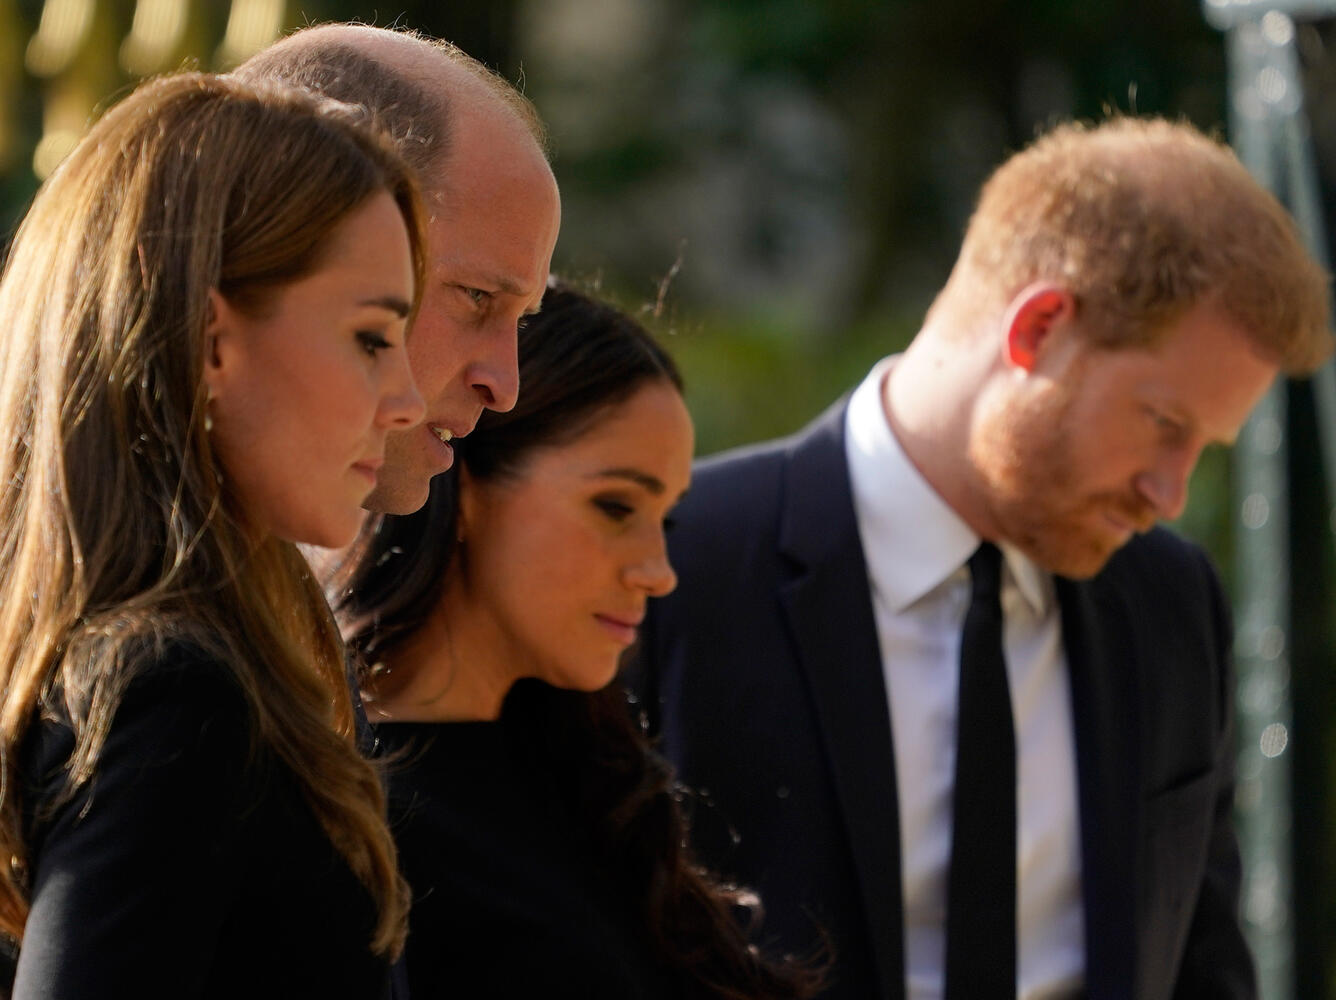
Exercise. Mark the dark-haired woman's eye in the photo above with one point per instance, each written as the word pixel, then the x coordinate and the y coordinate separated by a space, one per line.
pixel 614 509
pixel 371 341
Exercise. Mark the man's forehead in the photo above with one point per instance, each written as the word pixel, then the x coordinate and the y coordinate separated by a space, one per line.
pixel 486 163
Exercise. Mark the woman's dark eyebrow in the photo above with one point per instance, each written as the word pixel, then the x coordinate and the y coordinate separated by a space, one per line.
pixel 391 302
pixel 651 483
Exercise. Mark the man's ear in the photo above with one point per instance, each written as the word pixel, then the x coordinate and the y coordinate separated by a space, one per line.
pixel 1032 315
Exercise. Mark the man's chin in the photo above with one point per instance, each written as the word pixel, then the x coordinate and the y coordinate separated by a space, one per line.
pixel 1077 559
pixel 397 494
pixel 1073 553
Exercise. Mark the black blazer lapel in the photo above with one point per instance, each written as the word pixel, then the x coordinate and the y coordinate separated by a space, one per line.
pixel 1098 633
pixel 829 612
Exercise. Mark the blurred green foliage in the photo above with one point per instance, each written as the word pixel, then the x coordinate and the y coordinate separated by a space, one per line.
pixel 749 379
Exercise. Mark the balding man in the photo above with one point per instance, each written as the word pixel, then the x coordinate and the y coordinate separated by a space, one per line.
pixel 951 695
pixel 479 149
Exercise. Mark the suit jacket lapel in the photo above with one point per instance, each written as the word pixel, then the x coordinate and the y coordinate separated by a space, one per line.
pixel 829 612
pixel 1098 633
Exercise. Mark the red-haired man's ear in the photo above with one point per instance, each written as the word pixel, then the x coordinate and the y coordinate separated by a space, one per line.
pixel 1031 317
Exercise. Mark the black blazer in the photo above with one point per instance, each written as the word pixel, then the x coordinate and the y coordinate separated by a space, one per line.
pixel 763 676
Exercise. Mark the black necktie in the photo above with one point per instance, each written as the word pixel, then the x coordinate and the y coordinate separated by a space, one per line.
pixel 981 883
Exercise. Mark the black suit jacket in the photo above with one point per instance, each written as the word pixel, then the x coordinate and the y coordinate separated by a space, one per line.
pixel 762 674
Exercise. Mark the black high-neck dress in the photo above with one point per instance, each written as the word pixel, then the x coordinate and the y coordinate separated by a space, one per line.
pixel 190 866
pixel 510 899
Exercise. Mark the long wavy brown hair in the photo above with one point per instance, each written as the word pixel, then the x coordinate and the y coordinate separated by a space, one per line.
pixel 117 531
pixel 578 358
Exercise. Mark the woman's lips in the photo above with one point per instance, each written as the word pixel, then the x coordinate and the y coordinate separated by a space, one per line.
pixel 624 630
pixel 369 468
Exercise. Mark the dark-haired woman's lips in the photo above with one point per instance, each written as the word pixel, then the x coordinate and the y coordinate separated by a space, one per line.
pixel 623 629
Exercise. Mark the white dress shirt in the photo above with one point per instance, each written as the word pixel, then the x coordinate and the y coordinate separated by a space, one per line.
pixel 916 549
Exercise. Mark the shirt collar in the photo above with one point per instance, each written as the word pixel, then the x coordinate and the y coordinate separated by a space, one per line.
pixel 912 540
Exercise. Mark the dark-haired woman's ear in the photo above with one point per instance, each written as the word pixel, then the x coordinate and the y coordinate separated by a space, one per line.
pixel 466 503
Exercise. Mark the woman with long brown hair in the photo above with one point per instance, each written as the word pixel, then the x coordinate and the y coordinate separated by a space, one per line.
pixel 205 312
pixel 542 837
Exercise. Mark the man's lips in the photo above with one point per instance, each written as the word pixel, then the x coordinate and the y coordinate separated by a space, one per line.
pixel 1128 523
pixel 446 431
pixel 1120 527
pixel 446 436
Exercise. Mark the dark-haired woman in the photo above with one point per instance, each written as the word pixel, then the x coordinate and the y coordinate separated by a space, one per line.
pixel 541 837
pixel 202 354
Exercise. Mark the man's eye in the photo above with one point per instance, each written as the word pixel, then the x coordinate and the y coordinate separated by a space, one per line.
pixel 1171 427
pixel 476 295
pixel 1164 423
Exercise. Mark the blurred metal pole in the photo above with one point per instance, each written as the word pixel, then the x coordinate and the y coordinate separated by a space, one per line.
pixel 1272 139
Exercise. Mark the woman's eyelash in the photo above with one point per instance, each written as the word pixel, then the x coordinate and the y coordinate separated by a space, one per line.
pixel 371 341
pixel 615 509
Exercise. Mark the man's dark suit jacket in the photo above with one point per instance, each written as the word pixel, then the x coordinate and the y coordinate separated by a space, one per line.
pixel 763 675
